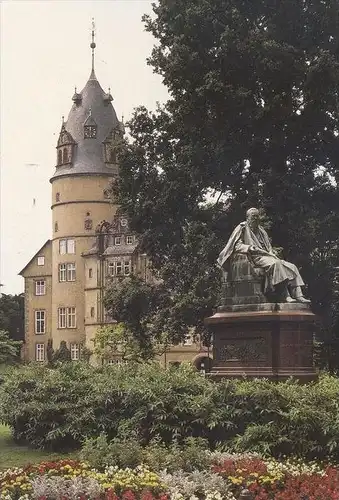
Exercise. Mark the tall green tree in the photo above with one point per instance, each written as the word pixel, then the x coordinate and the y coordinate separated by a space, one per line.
pixel 9 349
pixel 252 120
pixel 12 311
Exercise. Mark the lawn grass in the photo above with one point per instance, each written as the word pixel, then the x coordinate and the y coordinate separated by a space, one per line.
pixel 13 455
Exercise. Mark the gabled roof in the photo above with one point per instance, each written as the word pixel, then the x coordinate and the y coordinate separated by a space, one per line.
pixel 34 257
pixel 64 137
pixel 90 120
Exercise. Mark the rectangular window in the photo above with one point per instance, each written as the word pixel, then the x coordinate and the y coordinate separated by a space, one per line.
pixel 117 361
pixel 129 240
pixel 111 268
pixel 39 352
pixel 90 273
pixel 71 317
pixel 40 287
pixel 66 246
pixel 62 247
pixel 71 271
pixel 67 272
pixel 127 267
pixel 70 246
pixel 117 240
pixel 41 261
pixel 62 317
pixel 62 272
pixel 66 317
pixel 75 352
pixel 40 320
pixel 118 267
pixel 92 312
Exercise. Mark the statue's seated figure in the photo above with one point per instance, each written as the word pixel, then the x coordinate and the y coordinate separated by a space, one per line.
pixel 252 272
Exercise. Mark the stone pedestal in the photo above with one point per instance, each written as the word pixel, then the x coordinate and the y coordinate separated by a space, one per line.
pixel 274 341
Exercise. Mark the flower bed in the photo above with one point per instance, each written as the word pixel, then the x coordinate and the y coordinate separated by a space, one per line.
pixel 227 476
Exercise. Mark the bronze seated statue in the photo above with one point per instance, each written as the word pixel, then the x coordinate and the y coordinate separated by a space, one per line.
pixel 252 272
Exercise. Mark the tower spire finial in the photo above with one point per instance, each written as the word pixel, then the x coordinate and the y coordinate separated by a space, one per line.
pixel 93 44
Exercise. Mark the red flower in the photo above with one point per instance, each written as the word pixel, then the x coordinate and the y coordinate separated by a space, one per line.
pixel 110 495
pixel 128 495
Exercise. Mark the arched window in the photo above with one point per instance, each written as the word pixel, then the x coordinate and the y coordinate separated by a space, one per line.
pixel 65 156
pixel 57 197
pixel 56 227
pixel 59 157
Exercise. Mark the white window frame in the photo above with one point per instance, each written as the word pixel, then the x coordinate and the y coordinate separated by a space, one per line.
pixel 111 268
pixel 40 352
pixel 66 245
pixel 40 287
pixel 62 272
pixel 119 268
pixel 129 240
pixel 117 240
pixel 116 361
pixel 70 246
pixel 41 260
pixel 127 267
pixel 67 317
pixel 75 351
pixel 71 274
pixel 62 317
pixel 40 322
pixel 62 247
pixel 71 317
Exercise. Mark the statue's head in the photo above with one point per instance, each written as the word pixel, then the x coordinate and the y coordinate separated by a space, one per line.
pixel 253 217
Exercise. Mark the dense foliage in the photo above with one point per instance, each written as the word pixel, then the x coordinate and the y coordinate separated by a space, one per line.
pixel 252 119
pixel 224 477
pixel 136 305
pixel 62 407
pixel 12 311
pixel 9 349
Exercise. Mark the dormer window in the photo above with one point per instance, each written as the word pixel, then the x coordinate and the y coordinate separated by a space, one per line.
pixel 65 147
pixel 90 131
pixel 90 127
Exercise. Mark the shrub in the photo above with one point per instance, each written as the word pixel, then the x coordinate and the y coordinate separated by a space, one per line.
pixel 141 405
pixel 191 455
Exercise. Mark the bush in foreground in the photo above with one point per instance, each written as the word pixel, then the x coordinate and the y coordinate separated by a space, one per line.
pixel 61 408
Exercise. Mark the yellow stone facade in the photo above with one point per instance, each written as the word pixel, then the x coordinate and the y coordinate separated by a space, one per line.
pixel 65 280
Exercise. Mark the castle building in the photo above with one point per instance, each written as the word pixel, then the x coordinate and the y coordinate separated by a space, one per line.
pixel 65 280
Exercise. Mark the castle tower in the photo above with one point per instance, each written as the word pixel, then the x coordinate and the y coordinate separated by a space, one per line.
pixel 55 281
pixel 91 245
pixel 85 165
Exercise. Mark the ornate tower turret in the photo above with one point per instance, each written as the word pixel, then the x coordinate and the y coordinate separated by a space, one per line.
pixel 85 164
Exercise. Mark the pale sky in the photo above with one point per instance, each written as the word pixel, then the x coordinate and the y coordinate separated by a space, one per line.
pixel 44 54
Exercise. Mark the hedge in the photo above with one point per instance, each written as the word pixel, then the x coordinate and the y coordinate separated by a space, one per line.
pixel 60 408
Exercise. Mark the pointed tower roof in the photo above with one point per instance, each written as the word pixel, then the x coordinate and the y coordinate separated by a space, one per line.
pixel 92 101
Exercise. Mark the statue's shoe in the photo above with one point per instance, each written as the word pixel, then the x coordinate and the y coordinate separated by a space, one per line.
pixel 303 300
pixel 289 300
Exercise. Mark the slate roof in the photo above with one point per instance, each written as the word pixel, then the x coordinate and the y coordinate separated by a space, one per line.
pixel 89 154
pixel 120 250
